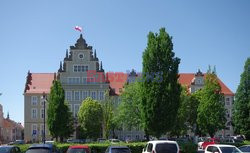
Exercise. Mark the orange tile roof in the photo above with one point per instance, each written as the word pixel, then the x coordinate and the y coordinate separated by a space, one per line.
pixel 39 82
pixel 186 79
pixel 117 80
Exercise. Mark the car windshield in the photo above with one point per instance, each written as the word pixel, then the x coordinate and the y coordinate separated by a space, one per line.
pixel 120 150
pixel 4 149
pixel 230 150
pixel 166 148
pixel 38 150
pixel 77 150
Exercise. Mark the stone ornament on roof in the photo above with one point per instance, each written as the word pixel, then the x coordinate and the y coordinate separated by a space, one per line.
pixel 81 44
pixel 199 73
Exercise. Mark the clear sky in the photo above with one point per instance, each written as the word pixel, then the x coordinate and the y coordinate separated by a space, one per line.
pixel 34 35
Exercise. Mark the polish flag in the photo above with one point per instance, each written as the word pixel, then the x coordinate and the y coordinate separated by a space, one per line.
pixel 78 28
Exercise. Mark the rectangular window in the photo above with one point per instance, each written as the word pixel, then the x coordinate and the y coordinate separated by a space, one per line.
pixel 76 109
pixel 34 100
pixel 101 95
pixel 84 80
pixel 93 95
pixel 84 95
pixel 75 68
pixel 68 95
pixel 77 95
pixel 42 113
pixel 33 113
pixel 34 129
pixel 41 129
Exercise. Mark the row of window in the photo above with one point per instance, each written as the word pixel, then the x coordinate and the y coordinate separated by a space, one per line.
pixel 81 95
pixel 34 101
pixel 34 113
pixel 80 68
pixel 36 130
pixel 85 80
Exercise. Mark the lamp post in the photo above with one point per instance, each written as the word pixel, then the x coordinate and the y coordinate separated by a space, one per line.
pixel 44 100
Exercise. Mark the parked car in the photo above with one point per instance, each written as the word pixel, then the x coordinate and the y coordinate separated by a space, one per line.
pixel 114 140
pixel 220 148
pixel 245 148
pixel 161 146
pixel 209 141
pixel 200 141
pixel 101 140
pixel 117 149
pixel 16 142
pixel 9 149
pixel 42 148
pixel 78 149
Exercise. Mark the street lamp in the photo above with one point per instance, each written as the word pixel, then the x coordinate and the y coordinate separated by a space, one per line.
pixel 44 100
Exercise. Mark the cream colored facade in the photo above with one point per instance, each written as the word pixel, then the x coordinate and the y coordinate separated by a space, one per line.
pixel 34 118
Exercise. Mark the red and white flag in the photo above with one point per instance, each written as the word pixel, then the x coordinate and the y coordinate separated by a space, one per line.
pixel 78 28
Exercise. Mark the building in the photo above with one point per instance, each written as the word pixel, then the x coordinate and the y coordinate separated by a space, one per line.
pixel 9 129
pixel 82 75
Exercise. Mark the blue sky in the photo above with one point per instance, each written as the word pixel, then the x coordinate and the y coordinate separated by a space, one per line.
pixel 35 34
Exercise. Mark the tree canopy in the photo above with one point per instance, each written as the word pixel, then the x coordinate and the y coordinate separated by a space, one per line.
pixel 60 119
pixel 161 90
pixel 90 117
pixel 241 113
pixel 211 111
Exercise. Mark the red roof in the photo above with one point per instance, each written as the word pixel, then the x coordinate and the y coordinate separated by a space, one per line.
pixel 186 79
pixel 117 80
pixel 39 82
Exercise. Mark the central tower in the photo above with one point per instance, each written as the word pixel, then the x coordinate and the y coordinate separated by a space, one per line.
pixel 82 75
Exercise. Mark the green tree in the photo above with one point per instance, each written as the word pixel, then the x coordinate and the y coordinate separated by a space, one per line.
pixel 211 111
pixel 130 109
pixel 241 113
pixel 90 118
pixel 108 115
pixel 161 90
pixel 60 119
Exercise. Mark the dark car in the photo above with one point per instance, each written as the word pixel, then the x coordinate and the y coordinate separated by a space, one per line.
pixel 9 149
pixel 42 148
pixel 78 149
pixel 117 149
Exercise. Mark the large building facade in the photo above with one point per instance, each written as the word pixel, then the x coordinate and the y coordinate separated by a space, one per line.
pixel 82 75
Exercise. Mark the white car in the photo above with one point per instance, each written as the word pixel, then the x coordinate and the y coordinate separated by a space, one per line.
pixel 161 146
pixel 220 148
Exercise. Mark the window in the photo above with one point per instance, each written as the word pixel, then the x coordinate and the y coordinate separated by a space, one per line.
pixel 77 95
pixel 93 95
pixel 80 68
pixel 73 80
pixel 41 129
pixel 34 129
pixel 68 95
pixel 84 95
pixel 150 147
pixel 76 109
pixel 228 101
pixel 84 80
pixel 101 95
pixel 34 113
pixel 34 100
pixel 42 113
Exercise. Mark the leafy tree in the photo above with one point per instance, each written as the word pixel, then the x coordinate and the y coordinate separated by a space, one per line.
pixel 241 113
pixel 161 90
pixel 129 109
pixel 211 111
pixel 108 115
pixel 187 114
pixel 60 119
pixel 90 118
